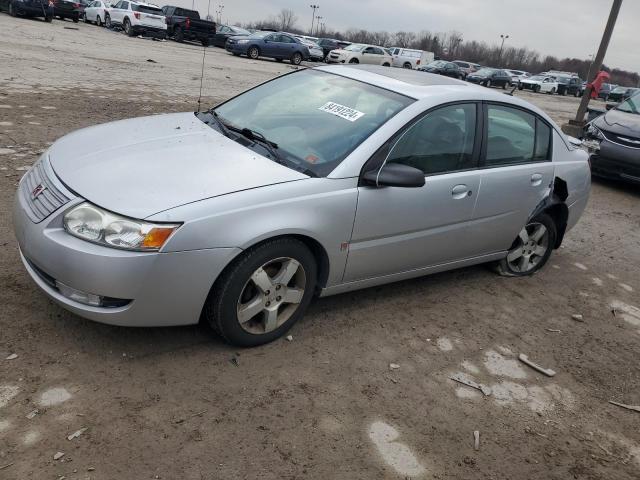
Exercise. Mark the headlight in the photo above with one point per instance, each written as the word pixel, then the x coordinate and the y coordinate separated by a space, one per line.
pixel 96 225
pixel 594 132
pixel 242 41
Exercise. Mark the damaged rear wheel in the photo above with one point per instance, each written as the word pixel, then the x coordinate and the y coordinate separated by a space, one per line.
pixel 532 248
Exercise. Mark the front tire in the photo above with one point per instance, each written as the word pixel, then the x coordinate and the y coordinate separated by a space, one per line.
pixel 128 29
pixel 178 35
pixel 354 60
pixel 107 21
pixel 552 91
pixel 263 293
pixel 407 65
pixel 536 89
pixel 98 21
pixel 253 53
pixel 488 84
pixel 531 249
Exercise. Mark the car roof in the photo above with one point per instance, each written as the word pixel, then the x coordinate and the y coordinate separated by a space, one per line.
pixel 423 85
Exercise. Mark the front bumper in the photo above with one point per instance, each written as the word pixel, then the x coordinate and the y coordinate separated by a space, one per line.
pixel 163 289
pixel 616 162
pixel 239 48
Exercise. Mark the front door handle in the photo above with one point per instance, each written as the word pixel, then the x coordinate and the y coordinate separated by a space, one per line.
pixel 536 179
pixel 460 191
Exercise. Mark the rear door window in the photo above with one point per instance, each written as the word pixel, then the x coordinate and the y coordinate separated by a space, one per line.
pixel 514 136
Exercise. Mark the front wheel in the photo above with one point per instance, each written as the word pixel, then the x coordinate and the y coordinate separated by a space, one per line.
pixel 532 249
pixel 296 58
pixel 407 65
pixel 178 35
pixel 552 91
pixel 354 60
pixel 205 42
pixel 488 84
pixel 75 18
pixel 520 87
pixel 253 53
pixel 262 293
pixel 107 21
pixel 386 64
pixel 98 21
pixel 536 89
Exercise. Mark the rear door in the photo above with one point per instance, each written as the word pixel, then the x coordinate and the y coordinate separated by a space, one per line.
pixel 402 229
pixel 516 175
pixel 117 12
pixel 371 56
pixel 150 16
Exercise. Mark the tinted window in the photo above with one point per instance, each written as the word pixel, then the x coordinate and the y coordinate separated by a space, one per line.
pixel 286 39
pixel 150 9
pixel 543 141
pixel 124 5
pixel 441 141
pixel 511 135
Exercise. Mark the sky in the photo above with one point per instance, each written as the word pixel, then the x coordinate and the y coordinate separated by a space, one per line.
pixel 564 28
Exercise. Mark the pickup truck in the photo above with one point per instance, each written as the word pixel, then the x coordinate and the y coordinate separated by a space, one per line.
pixel 184 24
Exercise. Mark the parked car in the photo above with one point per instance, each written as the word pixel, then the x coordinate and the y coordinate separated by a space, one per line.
pixel 223 32
pixel 315 51
pixel 466 67
pixel 442 67
pixel 73 10
pixel 28 8
pixel 278 45
pixel 517 76
pixel 613 140
pixel 569 85
pixel 491 77
pixel 410 58
pixel 539 83
pixel 329 44
pixel 95 12
pixel 605 91
pixel 619 94
pixel 360 53
pixel 184 24
pixel 137 18
pixel 259 213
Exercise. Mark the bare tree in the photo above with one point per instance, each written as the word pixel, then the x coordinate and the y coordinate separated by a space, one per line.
pixel 404 39
pixel 286 19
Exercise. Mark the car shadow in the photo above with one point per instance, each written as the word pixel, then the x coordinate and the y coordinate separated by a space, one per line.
pixel 620 185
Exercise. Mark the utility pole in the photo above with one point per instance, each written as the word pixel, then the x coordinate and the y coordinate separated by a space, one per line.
pixel 503 37
pixel 313 16
pixel 318 18
pixel 574 127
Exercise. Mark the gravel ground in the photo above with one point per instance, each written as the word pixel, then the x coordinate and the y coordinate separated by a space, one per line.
pixel 177 403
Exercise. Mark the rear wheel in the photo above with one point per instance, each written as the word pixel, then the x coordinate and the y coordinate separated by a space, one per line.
pixel 107 20
pixel 205 42
pixel 253 53
pixel 128 29
pixel 354 60
pixel 552 91
pixel 296 58
pixel 386 64
pixel 531 250
pixel 520 87
pixel 98 21
pixel 75 18
pixel 576 93
pixel 263 293
pixel 536 88
pixel 407 65
pixel 488 84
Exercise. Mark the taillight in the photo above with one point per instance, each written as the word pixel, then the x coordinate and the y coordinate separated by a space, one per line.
pixel 188 22
pixel 137 15
pixel 417 62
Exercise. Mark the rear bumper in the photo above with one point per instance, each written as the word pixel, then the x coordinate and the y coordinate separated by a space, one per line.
pixel 151 31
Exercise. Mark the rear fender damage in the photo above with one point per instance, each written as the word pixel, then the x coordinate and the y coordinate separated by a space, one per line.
pixel 554 205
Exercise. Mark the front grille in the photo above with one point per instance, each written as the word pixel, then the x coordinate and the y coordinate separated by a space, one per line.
pixel 49 198
pixel 624 140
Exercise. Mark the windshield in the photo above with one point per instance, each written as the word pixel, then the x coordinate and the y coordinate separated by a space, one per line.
pixel 354 48
pixel 240 31
pixel 563 80
pixel 619 90
pixel 630 105
pixel 315 118
pixel 485 71
pixel 437 63
pixel 260 34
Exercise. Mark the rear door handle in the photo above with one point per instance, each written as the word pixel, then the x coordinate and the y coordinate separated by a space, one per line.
pixel 536 179
pixel 460 191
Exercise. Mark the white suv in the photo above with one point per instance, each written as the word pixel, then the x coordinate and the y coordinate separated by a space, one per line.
pixel 539 83
pixel 409 58
pixel 137 18
pixel 360 53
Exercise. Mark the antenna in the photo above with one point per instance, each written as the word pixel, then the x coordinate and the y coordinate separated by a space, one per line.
pixel 204 55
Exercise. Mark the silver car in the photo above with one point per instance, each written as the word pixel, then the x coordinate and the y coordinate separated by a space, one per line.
pixel 321 181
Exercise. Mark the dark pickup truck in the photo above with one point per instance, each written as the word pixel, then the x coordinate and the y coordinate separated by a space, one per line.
pixel 183 24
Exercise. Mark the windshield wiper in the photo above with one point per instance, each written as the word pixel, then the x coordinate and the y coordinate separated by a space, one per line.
pixel 221 125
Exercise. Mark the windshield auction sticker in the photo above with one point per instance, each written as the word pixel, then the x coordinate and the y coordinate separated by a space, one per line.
pixel 341 111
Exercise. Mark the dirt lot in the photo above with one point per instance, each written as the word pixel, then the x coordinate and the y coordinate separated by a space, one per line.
pixel 171 403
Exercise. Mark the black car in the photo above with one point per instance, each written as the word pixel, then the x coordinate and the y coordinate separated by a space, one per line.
pixel 613 139
pixel 184 24
pixel 491 77
pixel 68 9
pixel 28 8
pixel 223 32
pixel 569 85
pixel 442 67
pixel 620 94
pixel 328 44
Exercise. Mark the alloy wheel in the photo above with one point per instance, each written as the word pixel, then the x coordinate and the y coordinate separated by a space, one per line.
pixel 271 295
pixel 530 248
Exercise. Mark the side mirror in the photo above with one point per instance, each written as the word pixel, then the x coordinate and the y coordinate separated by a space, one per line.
pixel 395 175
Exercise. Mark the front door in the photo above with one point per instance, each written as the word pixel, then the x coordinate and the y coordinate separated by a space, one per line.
pixel 403 229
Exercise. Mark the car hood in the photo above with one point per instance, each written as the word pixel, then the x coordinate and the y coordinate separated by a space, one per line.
pixel 619 123
pixel 146 165
pixel 537 82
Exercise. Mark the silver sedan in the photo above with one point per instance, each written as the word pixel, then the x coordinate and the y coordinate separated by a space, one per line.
pixel 321 181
